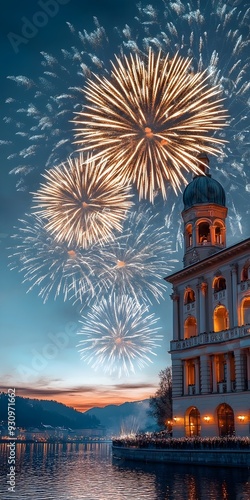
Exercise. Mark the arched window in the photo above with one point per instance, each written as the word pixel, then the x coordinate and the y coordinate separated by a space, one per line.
pixel 189 296
pixel 245 274
pixel 219 284
pixel 189 235
pixel 221 320
pixel 204 236
pixel 190 327
pixel 192 422
pixel 219 234
pixel 225 416
pixel 245 311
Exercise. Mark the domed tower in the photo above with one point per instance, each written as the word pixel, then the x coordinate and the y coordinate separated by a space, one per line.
pixel 204 215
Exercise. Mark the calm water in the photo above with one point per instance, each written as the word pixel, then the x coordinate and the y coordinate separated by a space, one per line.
pixel 87 471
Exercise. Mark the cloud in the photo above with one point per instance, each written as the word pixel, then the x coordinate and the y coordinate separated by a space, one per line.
pixel 27 391
pixel 84 397
pixel 135 386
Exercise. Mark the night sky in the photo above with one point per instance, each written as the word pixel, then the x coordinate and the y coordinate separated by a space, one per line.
pixel 38 341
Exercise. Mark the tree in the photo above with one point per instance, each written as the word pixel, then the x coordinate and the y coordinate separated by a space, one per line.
pixel 161 403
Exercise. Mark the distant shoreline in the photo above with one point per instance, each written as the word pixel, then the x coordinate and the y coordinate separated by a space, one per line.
pixel 54 441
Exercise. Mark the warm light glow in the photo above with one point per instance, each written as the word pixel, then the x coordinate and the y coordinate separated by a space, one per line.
pixel 241 418
pixel 206 418
pixel 176 419
pixel 221 321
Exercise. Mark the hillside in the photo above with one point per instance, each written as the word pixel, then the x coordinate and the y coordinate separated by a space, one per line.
pixel 35 412
pixel 127 417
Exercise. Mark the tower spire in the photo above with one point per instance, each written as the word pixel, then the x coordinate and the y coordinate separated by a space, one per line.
pixel 204 215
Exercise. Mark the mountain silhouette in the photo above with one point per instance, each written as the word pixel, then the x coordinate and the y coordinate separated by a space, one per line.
pixel 38 412
pixel 125 418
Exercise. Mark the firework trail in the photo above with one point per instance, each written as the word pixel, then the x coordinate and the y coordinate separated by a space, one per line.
pixel 51 267
pixel 118 335
pixel 150 119
pixel 136 262
pixel 46 105
pixel 83 203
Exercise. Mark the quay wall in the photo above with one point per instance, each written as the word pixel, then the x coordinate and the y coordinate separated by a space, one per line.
pixel 218 457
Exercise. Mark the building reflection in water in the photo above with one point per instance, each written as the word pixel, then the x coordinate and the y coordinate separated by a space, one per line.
pixel 180 482
pixel 77 470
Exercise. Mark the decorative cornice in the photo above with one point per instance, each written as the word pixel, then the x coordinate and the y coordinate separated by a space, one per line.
pixel 217 258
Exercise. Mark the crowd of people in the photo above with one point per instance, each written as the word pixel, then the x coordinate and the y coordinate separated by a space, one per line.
pixel 163 440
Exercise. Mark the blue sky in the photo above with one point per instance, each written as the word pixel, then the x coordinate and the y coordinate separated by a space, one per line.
pixel 38 341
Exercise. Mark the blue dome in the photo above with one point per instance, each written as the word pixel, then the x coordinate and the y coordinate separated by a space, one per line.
pixel 203 189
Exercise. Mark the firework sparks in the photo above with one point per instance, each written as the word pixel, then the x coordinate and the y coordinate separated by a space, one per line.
pixel 136 261
pixel 51 267
pixel 213 34
pixel 150 119
pixel 83 203
pixel 118 335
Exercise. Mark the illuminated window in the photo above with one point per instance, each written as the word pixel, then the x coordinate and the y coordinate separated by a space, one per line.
pixel 189 296
pixel 191 373
pixel 204 233
pixel 245 275
pixel 219 235
pixel 190 327
pixel 221 321
pixel 219 284
pixel 245 311
pixel 189 235
pixel 192 422
pixel 225 416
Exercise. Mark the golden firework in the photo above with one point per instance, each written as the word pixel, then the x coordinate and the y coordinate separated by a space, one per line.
pixel 83 203
pixel 150 119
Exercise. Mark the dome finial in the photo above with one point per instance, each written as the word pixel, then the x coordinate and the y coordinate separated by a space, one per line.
pixel 203 163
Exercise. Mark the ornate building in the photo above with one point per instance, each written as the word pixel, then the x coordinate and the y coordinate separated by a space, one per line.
pixel 210 350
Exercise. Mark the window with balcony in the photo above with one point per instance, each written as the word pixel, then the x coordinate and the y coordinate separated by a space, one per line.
pixel 220 319
pixel 190 327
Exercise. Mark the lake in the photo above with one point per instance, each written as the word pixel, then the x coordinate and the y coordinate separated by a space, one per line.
pixel 87 471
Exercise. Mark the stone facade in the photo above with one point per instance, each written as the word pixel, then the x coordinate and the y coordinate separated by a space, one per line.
pixel 210 350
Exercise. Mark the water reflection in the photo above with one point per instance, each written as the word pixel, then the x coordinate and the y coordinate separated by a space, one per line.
pixel 73 471
pixel 180 482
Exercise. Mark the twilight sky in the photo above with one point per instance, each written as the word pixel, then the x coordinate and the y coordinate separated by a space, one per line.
pixel 38 341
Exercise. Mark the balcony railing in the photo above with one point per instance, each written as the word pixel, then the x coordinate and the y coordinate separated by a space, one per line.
pixel 221 387
pixel 191 390
pixel 222 295
pixel 189 307
pixel 243 286
pixel 211 338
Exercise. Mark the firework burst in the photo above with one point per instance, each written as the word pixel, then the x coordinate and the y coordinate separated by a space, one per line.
pixel 135 263
pixel 214 34
pixel 118 335
pixel 82 202
pixel 150 119
pixel 54 268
